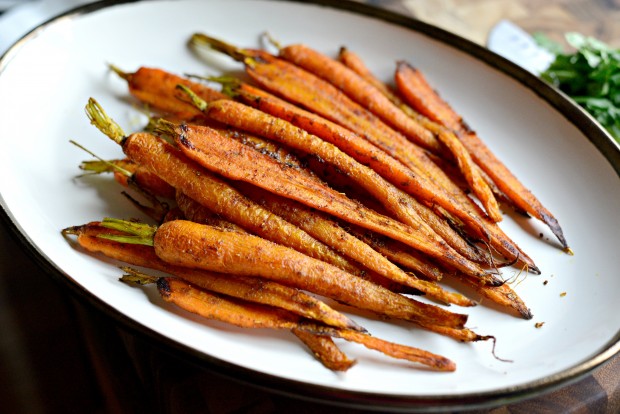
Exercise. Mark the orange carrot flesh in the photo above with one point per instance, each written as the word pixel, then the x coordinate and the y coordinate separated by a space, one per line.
pixel 236 161
pixel 190 244
pixel 416 90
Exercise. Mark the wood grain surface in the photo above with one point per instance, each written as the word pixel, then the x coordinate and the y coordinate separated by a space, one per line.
pixel 473 19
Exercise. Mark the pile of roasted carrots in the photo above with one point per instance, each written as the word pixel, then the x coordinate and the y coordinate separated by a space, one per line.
pixel 309 185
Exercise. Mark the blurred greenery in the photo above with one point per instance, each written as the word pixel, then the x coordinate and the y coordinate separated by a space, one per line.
pixel 589 74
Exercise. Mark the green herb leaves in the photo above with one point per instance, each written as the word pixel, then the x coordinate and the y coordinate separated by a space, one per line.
pixel 590 75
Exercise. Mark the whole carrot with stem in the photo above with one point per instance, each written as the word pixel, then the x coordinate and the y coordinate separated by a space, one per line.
pixel 403 205
pixel 156 88
pixel 238 162
pixel 499 240
pixel 419 94
pixel 176 169
pixel 308 90
pixel 247 315
pixel 92 237
pixel 193 245
pixel 365 93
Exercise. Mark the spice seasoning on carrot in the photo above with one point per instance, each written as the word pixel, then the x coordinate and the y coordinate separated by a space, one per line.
pixel 419 94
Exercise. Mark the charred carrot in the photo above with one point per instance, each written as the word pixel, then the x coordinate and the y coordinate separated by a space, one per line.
pixel 419 94
pixel 305 89
pixel 91 237
pixel 176 169
pixel 248 315
pixel 188 244
pixel 502 295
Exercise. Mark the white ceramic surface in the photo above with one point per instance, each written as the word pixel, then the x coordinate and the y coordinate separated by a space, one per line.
pixel 46 80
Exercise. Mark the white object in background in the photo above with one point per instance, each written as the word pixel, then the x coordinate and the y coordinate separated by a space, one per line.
pixel 22 17
pixel 516 45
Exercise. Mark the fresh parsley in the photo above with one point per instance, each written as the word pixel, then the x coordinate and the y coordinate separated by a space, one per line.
pixel 590 75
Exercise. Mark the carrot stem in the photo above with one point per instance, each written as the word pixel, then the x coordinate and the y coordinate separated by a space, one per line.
pixel 103 122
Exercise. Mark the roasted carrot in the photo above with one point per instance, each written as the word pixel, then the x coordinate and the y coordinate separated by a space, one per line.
pixel 419 94
pixel 502 295
pixel 194 211
pixel 91 237
pixel 325 350
pixel 176 169
pixel 325 229
pixel 353 86
pixel 156 88
pixel 188 244
pixel 130 171
pixel 399 253
pixel 400 203
pixel 238 162
pixel 498 240
pixel 305 89
pixel 374 100
pixel 248 315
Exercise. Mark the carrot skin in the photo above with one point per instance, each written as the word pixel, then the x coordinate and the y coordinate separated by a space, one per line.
pixel 498 239
pixel 419 94
pixel 180 172
pixel 189 244
pixel 303 88
pixel 158 89
pixel 237 162
pixel 362 151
